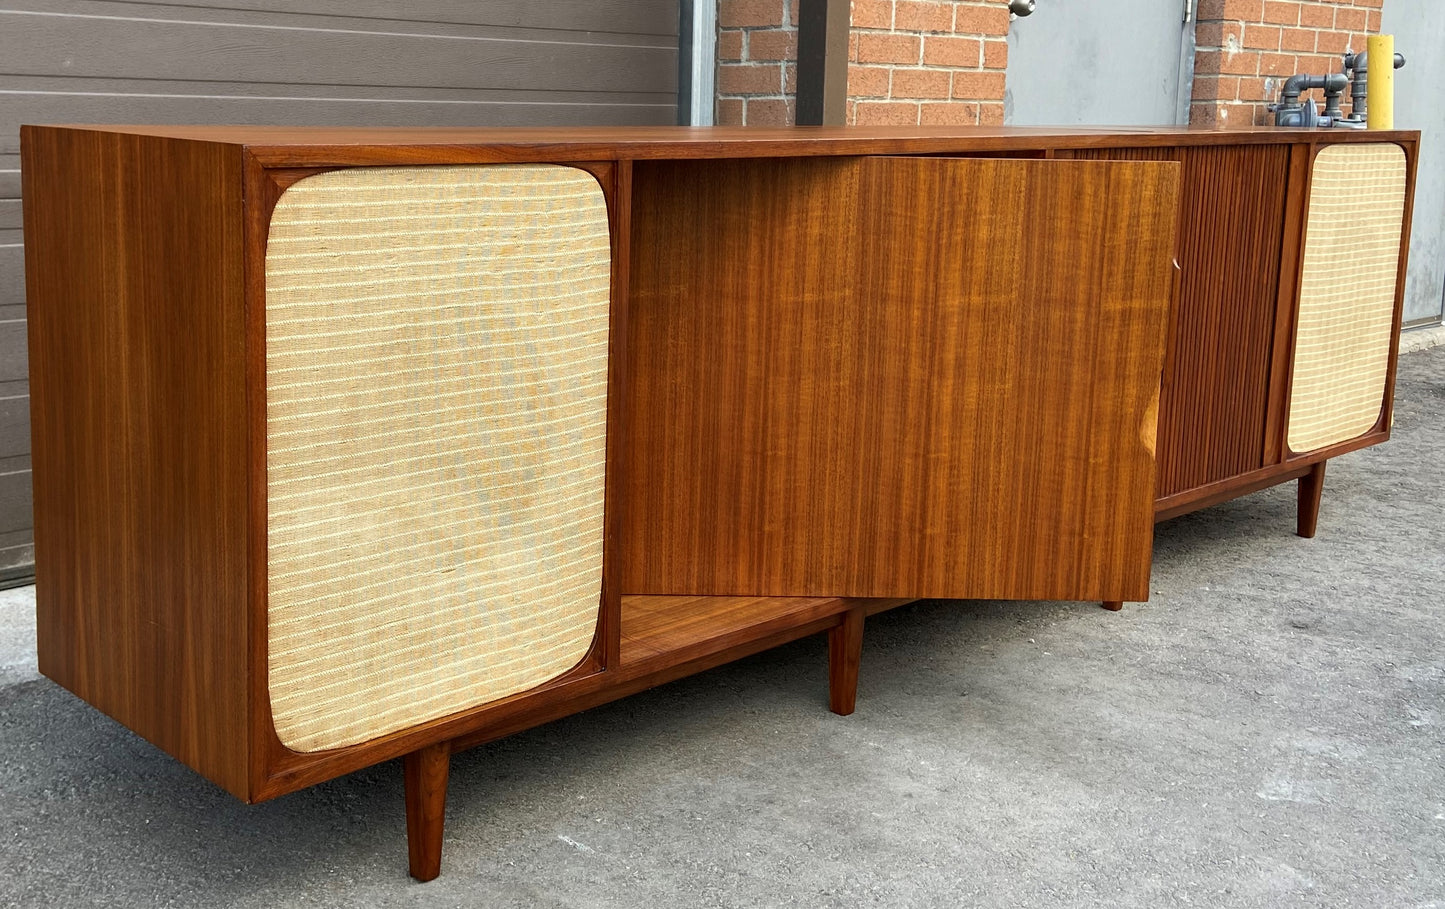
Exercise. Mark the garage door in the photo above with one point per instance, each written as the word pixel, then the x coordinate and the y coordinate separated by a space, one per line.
pixel 348 62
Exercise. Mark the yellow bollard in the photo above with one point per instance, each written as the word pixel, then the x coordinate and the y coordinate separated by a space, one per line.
pixel 1380 95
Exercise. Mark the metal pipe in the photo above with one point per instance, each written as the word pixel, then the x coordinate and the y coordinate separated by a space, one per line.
pixel 1334 85
pixel 1291 111
pixel 1294 86
pixel 1358 65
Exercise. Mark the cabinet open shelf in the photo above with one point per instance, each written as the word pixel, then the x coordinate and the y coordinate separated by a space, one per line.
pixel 659 632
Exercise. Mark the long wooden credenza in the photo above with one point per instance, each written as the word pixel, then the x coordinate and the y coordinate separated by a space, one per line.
pixel 358 444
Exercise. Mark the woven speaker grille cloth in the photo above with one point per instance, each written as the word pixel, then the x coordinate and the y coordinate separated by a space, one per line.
pixel 1347 293
pixel 436 377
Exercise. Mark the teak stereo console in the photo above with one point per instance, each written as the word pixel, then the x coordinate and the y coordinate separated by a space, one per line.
pixel 358 444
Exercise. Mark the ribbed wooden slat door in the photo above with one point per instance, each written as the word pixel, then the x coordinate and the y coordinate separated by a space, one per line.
pixel 1213 412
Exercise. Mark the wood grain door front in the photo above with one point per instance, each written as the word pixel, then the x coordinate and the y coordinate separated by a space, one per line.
pixel 896 377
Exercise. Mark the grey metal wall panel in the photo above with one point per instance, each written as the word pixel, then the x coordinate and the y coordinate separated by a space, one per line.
pixel 1419 30
pixel 1068 66
pixel 338 62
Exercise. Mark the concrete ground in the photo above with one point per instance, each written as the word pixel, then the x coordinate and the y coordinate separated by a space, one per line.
pixel 1269 730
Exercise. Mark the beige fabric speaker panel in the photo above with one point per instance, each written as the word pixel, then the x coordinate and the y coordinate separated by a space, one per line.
pixel 436 379
pixel 1347 293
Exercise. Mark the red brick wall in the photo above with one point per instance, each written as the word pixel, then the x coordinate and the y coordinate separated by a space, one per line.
pixel 909 61
pixel 757 52
pixel 913 61
pixel 1245 49
pixel 944 61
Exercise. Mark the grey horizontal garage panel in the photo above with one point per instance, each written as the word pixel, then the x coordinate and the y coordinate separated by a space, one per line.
pixel 14 364
pixel 320 62
pixel 577 95
pixel 12 277
pixel 17 551
pixel 17 556
pixel 462 57
pixel 300 105
pixel 14 429
pixel 645 17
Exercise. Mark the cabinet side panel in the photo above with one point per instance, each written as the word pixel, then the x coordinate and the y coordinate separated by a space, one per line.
pixel 133 263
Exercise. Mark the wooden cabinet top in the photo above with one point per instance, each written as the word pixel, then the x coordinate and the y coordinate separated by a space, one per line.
pixel 283 146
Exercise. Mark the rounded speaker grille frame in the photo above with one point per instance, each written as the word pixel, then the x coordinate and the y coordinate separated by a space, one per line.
pixel 436 385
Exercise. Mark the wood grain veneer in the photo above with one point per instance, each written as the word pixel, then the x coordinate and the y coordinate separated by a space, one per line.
pixel 139 432
pixel 662 630
pixel 1291 258
pixel 284 146
pixel 892 376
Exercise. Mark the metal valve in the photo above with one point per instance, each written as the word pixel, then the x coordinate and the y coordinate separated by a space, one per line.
pixel 1019 8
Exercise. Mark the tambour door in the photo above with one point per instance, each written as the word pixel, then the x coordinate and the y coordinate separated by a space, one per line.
pixel 1214 406
pixel 895 377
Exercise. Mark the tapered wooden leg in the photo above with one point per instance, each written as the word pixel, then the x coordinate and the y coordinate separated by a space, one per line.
pixel 1311 485
pixel 425 772
pixel 845 648
pixel 1113 605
